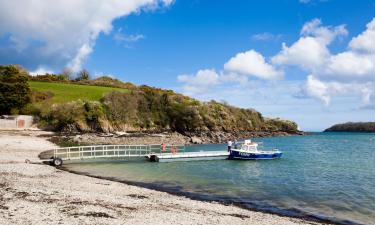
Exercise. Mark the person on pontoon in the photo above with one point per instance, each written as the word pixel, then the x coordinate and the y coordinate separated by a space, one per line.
pixel 229 145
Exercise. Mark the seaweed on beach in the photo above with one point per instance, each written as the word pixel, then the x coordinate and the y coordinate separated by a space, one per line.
pixel 94 214
pixel 137 196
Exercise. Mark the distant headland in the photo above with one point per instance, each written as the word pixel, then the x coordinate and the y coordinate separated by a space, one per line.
pixel 352 127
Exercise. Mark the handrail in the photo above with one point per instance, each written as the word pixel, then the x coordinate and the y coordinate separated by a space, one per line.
pixel 101 151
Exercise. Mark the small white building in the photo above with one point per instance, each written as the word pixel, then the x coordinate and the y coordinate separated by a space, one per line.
pixel 16 122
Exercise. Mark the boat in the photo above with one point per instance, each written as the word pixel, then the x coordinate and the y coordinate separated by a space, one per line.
pixel 249 150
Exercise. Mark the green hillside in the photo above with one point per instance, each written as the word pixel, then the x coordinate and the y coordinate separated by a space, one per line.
pixel 63 92
pixel 106 104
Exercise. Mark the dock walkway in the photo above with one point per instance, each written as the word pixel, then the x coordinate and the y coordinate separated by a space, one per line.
pixel 155 153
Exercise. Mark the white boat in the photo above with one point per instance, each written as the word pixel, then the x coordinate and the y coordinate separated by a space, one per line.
pixel 249 150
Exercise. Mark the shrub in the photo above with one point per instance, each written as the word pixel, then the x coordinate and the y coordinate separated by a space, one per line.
pixel 14 89
pixel 67 114
pixel 39 96
pixel 83 75
pixel 121 107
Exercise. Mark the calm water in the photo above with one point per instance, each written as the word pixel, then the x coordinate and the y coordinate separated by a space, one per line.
pixel 330 176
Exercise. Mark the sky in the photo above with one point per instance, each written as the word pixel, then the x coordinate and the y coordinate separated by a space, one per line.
pixel 310 61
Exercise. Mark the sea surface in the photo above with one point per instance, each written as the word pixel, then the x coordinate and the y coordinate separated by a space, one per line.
pixel 329 176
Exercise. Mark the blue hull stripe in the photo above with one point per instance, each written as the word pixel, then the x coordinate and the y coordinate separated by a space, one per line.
pixel 245 155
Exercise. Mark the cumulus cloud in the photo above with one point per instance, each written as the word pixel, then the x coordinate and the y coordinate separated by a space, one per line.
pixel 62 31
pixel 365 42
pixel 199 82
pixel 237 70
pixel 310 51
pixel 349 72
pixel 252 63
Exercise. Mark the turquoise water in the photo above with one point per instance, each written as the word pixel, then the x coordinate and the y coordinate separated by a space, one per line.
pixel 328 176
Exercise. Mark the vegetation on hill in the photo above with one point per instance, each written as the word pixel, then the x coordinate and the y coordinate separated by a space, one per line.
pixel 14 89
pixel 105 104
pixel 353 127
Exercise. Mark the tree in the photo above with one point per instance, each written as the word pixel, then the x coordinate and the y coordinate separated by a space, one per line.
pixel 67 73
pixel 83 75
pixel 14 88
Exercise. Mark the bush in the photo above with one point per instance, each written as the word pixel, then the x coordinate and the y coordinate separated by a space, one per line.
pixel 40 96
pixel 14 89
pixel 83 75
pixel 65 115
pixel 121 108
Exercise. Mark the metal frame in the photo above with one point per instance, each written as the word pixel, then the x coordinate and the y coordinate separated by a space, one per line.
pixel 114 151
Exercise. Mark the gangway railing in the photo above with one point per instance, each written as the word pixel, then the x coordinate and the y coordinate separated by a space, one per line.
pixel 112 151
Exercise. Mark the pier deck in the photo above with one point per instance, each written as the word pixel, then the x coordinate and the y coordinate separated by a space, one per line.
pixel 189 156
pixel 155 153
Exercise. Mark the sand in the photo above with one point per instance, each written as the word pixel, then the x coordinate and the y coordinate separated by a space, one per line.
pixel 41 194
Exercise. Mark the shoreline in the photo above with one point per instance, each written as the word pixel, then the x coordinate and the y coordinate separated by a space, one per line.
pixel 271 210
pixel 38 193
pixel 66 139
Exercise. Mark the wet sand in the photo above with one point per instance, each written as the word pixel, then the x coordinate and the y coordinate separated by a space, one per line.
pixel 41 194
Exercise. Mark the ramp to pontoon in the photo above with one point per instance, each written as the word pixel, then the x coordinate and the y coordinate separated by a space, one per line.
pixel 155 153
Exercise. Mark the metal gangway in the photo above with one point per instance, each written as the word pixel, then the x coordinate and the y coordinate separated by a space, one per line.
pixel 111 152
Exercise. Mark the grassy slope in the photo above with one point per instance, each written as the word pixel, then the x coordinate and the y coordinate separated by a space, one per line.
pixel 71 92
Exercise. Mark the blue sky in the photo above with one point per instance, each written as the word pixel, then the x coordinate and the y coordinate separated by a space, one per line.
pixel 223 50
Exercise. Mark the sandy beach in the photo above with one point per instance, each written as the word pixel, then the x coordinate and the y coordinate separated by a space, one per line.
pixel 41 194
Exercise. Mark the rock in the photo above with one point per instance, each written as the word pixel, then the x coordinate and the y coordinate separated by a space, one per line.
pixel 120 134
pixel 196 140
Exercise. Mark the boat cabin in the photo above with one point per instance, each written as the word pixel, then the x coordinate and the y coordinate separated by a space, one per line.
pixel 249 146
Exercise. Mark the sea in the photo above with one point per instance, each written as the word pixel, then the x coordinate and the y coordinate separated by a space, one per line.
pixel 322 176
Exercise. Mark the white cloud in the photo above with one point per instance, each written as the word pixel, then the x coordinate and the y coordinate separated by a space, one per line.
pixel 345 75
pixel 236 71
pixel 307 53
pixel 324 34
pixel 41 70
pixel 310 51
pixel 317 89
pixel 348 72
pixel 365 42
pixel 350 66
pixel 63 29
pixel 199 82
pixel 252 63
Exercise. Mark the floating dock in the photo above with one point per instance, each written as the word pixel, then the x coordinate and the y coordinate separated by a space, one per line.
pixel 188 156
pixel 155 153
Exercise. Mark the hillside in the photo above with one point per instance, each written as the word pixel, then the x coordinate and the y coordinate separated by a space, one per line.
pixel 105 104
pixel 66 92
pixel 353 127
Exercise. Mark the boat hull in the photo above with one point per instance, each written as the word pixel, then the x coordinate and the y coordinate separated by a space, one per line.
pixel 253 156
